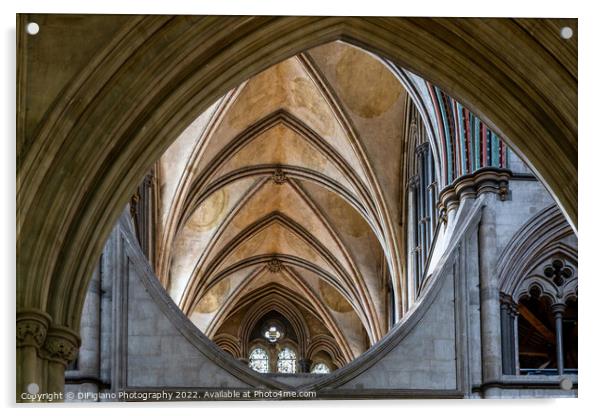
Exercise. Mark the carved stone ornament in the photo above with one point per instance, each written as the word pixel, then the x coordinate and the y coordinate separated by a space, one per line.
pixel 32 326
pixel 148 180
pixel 413 182
pixel 558 283
pixel 134 204
pixel 279 177
pixel 558 272
pixel 61 345
pixel 422 148
pixel 508 304
pixel 274 265
pixel 413 129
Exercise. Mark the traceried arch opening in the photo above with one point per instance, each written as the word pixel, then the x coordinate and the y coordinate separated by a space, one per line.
pixel 537 343
pixel 539 316
pixel 317 191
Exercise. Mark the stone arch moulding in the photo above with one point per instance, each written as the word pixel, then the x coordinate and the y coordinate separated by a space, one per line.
pixel 278 303
pixel 284 301
pixel 120 113
pixel 327 344
pixel 228 343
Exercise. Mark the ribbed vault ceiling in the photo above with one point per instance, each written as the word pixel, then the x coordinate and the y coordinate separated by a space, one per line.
pixel 285 196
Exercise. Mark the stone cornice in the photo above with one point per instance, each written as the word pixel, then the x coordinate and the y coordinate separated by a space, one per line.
pixel 472 185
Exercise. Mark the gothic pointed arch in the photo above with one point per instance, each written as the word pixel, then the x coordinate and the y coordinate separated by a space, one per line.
pixel 541 239
pixel 286 188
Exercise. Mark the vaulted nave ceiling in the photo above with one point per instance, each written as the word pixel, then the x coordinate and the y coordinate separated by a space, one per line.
pixel 285 196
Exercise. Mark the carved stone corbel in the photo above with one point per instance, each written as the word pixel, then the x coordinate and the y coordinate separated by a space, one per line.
pixel 149 180
pixel 134 204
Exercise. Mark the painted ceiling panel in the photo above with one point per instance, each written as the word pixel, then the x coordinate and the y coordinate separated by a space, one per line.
pixel 176 160
pixel 197 233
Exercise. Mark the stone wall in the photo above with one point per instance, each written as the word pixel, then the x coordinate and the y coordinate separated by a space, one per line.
pixel 426 359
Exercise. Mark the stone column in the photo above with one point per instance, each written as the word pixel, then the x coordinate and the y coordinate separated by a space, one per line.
pixel 43 352
pixel 558 311
pixel 106 316
pixel 32 327
pixel 491 343
pixel 509 334
pixel 141 210
pixel 60 348
pixel 85 378
pixel 411 243
pixel 516 350
pixel 89 354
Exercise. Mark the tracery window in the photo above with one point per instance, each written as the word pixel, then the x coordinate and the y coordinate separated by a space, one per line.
pixel 287 361
pixel 273 333
pixel 539 323
pixel 320 368
pixel 259 360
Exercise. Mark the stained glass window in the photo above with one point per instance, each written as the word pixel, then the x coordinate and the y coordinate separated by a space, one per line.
pixel 258 360
pixel 320 368
pixel 287 361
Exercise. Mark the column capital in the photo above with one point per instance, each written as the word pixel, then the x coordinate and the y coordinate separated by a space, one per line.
pixel 558 308
pixel 508 303
pixel 32 327
pixel 62 345
pixel 148 179
pixel 413 182
pixel 485 180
